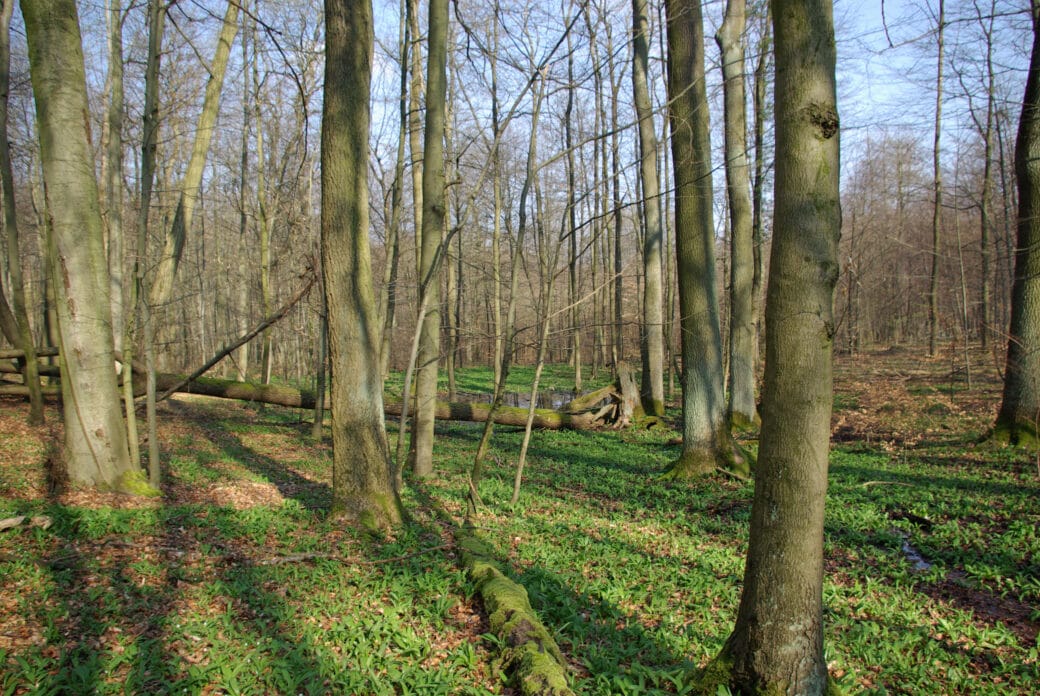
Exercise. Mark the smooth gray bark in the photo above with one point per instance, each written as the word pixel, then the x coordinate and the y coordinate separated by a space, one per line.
pixel 653 300
pixel 706 441
pixel 433 215
pixel 777 643
pixel 95 447
pixel 730 37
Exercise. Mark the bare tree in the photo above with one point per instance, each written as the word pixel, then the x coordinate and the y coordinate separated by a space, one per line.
pixel 433 216
pixel 361 477
pixel 1020 407
pixel 653 307
pixel 730 37
pixel 777 642
pixel 706 439
pixel 96 450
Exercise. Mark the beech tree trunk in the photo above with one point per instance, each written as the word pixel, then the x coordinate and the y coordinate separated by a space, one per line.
pixel 706 441
pixel 362 486
pixel 15 318
pixel 730 37
pixel 96 450
pixel 653 302
pixel 1020 406
pixel 937 188
pixel 777 643
pixel 433 215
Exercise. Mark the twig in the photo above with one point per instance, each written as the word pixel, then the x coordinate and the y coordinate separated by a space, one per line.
pixel 868 484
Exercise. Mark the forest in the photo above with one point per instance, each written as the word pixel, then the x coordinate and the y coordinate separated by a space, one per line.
pixel 574 346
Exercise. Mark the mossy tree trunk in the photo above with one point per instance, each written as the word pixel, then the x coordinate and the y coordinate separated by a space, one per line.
pixel 777 643
pixel 362 485
pixel 1020 407
pixel 706 441
pixel 96 449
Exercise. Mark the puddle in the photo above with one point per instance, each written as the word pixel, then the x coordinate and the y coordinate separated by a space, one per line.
pixel 546 399
pixel 919 562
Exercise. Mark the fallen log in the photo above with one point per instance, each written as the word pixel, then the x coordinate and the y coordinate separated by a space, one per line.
pixel 279 395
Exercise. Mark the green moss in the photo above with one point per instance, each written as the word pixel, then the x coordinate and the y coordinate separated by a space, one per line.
pixel 373 513
pixel 692 463
pixel 742 422
pixel 530 651
pixel 718 672
pixel 702 461
pixel 1019 433
pixel 135 483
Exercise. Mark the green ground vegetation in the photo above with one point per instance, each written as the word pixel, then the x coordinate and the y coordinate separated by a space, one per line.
pixel 239 581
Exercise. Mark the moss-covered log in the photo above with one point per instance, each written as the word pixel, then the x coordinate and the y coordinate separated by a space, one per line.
pixel 278 395
pixel 530 653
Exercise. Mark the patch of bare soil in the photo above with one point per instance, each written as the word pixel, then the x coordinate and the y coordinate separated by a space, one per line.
pixel 904 398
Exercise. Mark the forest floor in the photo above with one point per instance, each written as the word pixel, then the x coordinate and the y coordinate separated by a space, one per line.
pixel 237 581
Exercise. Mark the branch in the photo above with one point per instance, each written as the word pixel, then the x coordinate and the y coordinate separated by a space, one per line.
pixel 311 277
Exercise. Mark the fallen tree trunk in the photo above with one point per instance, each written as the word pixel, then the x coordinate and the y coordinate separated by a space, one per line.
pixel 298 398
pixel 278 395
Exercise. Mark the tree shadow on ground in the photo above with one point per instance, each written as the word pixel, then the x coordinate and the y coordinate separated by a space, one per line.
pixel 182 599
pixel 607 647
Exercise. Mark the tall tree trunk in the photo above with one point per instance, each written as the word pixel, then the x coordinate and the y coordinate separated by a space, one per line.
pixel 112 165
pixel 777 643
pixel 758 178
pixel 16 317
pixel 263 218
pixel 96 450
pixel 653 307
pixel 415 131
pixel 933 284
pixel 986 197
pixel 388 290
pixel 432 226
pixel 176 234
pixel 362 487
pixel 496 232
pixel 730 38
pixel 1019 413
pixel 138 292
pixel 242 297
pixel 706 441
pixel 618 348
pixel 572 224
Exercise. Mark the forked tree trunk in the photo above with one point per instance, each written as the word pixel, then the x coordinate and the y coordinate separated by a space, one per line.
pixel 96 450
pixel 1020 407
pixel 362 486
pixel 777 643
